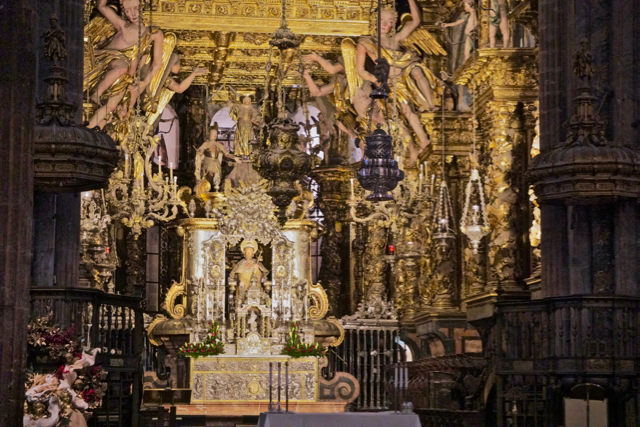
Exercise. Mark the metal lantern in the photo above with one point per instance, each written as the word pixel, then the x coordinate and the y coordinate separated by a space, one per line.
pixel 474 222
pixel 379 171
pixel 443 232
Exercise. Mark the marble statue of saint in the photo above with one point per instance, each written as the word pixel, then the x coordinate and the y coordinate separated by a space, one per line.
pixel 209 161
pixel 112 80
pixel 249 268
pixel 246 117
pixel 415 84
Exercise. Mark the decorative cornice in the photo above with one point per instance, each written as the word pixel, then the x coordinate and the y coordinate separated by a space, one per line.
pixel 331 17
pixel 501 74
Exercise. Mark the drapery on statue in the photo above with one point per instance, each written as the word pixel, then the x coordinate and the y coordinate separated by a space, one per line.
pixel 124 49
pixel 499 18
pixel 156 102
pixel 249 268
pixel 209 162
pixel 338 117
pixel 245 117
pixel 415 84
pixel 462 42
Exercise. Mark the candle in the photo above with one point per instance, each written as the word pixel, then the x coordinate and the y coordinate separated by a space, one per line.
pixel 426 168
pixel 279 385
pixel 286 392
pixel 433 180
pixel 160 166
pixel 406 379
pixel 126 165
pixel 170 171
pixel 420 182
pixel 421 169
pixel 352 190
pixel 142 180
pixel 270 386
pixel 395 389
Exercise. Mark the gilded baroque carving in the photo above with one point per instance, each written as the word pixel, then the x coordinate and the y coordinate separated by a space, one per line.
pixel 501 194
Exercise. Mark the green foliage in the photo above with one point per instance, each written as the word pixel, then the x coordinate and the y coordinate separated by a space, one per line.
pixel 295 348
pixel 211 346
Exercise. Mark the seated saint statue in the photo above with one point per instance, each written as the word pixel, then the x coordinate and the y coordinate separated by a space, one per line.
pixel 209 162
pixel 112 80
pixel 249 268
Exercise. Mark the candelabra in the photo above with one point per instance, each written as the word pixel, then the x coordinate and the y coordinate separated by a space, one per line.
pixel 137 205
pixel 97 261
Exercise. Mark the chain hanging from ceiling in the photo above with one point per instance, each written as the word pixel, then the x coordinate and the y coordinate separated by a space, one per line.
pixel 443 233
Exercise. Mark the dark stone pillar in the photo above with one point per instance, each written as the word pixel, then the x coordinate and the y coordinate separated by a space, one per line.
pixel 67 239
pixel 17 110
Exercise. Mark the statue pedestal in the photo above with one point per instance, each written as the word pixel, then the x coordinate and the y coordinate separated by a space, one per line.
pixel 246 379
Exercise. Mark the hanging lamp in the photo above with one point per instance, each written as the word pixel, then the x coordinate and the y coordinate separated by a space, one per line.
pixel 379 172
pixel 474 222
pixel 443 233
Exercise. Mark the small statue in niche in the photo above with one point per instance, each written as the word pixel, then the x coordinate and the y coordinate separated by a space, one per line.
pixel 246 117
pixel 253 321
pixel 55 40
pixel 209 161
pixel 249 268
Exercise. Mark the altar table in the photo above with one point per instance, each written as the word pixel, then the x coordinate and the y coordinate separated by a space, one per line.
pixel 346 419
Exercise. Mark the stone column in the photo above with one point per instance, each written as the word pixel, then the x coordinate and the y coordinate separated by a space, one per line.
pixel 17 111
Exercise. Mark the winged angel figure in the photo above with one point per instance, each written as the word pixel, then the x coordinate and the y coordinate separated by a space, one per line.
pixel 415 84
pixel 118 49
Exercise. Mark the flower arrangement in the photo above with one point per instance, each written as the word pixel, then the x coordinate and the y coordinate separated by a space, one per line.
pixel 211 346
pixel 43 335
pixel 65 395
pixel 295 348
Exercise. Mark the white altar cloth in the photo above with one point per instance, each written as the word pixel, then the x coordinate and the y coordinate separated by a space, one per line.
pixel 346 419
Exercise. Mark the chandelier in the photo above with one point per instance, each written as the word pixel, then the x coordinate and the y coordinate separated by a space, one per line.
pixel 279 158
pixel 137 205
pixel 443 233
pixel 474 222
pixel 379 172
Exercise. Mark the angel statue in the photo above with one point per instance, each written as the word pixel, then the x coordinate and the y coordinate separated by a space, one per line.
pixel 339 116
pixel 157 99
pixel 122 52
pixel 414 83
pixel 209 162
pixel 249 268
pixel 246 117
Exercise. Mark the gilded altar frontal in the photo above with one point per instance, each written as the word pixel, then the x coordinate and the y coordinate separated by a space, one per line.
pixel 320 213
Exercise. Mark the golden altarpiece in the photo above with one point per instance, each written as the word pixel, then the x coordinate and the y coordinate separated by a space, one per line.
pixel 463 111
